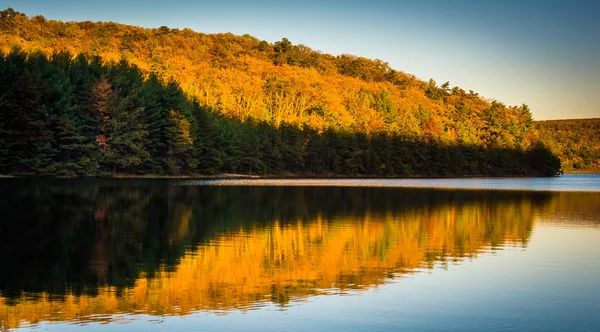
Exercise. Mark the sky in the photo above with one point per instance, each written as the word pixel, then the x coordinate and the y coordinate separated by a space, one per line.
pixel 543 53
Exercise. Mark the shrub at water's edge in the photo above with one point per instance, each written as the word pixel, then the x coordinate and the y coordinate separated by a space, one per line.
pixel 94 99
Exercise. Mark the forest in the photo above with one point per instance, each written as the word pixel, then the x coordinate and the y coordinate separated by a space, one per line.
pixel 82 99
pixel 575 142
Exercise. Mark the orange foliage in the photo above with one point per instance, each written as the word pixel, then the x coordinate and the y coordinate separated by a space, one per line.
pixel 241 77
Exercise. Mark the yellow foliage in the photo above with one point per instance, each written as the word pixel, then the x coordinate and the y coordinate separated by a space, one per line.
pixel 232 75
pixel 182 126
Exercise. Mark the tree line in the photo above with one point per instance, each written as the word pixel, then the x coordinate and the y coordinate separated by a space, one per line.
pixel 169 101
pixel 81 116
pixel 576 142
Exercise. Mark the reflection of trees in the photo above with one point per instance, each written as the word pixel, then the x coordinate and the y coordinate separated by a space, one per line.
pixel 155 247
pixel 563 206
pixel 71 239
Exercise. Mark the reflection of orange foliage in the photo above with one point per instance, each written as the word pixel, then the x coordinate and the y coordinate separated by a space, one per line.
pixel 99 262
pixel 287 261
pixel 181 221
pixel 101 213
pixel 565 203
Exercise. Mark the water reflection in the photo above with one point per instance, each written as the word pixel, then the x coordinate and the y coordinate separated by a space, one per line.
pixel 88 250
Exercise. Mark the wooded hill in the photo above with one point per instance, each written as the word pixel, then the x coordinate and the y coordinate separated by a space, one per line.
pixel 576 142
pixel 88 99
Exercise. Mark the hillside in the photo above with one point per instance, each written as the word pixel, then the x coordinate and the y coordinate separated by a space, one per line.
pixel 576 142
pixel 169 101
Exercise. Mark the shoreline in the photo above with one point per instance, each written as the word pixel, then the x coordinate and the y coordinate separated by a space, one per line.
pixel 287 176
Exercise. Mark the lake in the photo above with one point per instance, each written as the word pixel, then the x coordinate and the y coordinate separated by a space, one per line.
pixel 332 255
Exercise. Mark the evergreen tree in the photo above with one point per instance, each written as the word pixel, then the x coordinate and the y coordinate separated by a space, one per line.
pixel 85 116
pixel 27 138
pixel 125 138
pixel 156 115
pixel 206 143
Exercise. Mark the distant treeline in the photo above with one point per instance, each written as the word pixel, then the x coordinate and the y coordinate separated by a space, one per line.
pixel 80 116
pixel 169 101
pixel 575 142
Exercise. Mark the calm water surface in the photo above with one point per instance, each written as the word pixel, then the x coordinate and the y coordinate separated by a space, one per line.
pixel 280 255
pixel 570 182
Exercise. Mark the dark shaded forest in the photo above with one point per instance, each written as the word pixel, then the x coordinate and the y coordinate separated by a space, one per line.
pixel 102 99
pixel 575 142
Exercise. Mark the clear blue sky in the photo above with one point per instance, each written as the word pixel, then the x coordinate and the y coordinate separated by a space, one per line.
pixel 544 53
